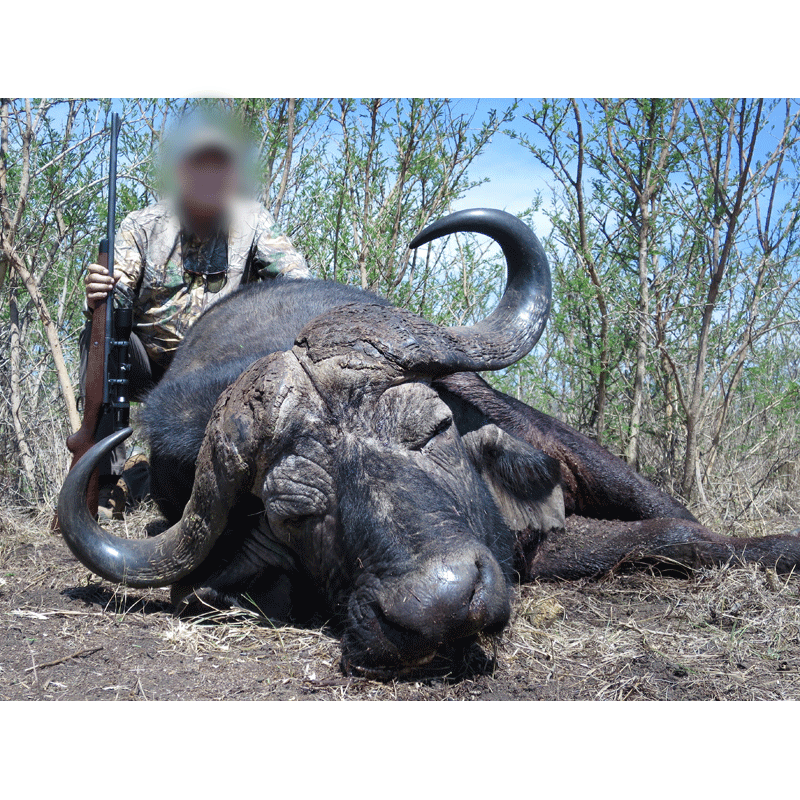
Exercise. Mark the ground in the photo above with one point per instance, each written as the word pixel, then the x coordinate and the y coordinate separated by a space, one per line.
pixel 724 634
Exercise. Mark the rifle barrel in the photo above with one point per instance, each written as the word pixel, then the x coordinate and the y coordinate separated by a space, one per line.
pixel 110 231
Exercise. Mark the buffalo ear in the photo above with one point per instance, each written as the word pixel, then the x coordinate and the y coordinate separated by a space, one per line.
pixel 524 481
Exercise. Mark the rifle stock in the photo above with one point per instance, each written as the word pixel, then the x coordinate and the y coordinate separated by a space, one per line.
pixel 85 437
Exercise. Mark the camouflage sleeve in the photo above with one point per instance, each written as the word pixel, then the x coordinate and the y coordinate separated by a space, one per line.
pixel 128 259
pixel 128 263
pixel 275 255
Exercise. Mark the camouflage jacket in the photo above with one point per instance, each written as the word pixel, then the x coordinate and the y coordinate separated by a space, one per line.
pixel 170 278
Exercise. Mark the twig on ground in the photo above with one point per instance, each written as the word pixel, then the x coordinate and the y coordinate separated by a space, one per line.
pixel 79 654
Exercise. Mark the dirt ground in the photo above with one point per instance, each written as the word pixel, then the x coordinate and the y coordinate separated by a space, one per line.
pixel 724 634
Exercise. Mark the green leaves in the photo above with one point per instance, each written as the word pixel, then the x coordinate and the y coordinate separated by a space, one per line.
pixel 669 216
pixel 662 232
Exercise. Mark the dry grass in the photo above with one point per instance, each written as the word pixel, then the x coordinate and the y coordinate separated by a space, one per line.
pixel 731 633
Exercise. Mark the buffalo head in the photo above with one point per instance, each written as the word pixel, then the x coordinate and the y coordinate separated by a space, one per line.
pixel 339 463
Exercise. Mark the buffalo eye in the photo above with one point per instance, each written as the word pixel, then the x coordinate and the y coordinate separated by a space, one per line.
pixel 439 427
pixel 297 522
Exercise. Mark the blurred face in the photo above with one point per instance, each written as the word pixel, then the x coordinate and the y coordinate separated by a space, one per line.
pixel 207 181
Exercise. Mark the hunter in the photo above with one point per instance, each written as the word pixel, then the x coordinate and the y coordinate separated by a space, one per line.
pixel 177 257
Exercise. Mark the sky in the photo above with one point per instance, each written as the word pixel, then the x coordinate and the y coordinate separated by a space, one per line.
pixel 514 175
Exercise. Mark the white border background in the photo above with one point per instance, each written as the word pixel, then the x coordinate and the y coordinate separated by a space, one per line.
pixel 322 750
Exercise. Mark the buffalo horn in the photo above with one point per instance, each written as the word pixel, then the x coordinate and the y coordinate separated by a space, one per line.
pixel 514 327
pixel 160 560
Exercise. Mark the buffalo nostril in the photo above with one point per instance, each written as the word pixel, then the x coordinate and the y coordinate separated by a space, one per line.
pixel 445 602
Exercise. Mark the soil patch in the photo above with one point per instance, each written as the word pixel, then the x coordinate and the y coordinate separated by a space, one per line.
pixel 724 634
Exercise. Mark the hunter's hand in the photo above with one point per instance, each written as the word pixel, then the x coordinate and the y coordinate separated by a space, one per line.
pixel 98 284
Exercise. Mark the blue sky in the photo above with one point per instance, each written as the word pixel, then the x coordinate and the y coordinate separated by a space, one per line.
pixel 514 174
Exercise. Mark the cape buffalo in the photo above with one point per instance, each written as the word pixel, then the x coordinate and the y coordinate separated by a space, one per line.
pixel 318 449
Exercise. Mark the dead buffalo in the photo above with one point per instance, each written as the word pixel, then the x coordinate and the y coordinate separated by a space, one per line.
pixel 317 449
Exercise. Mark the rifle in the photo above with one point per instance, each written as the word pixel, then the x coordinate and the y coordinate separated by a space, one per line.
pixel 106 406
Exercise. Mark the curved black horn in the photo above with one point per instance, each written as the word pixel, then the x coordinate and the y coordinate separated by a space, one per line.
pixel 224 470
pixel 514 327
pixel 404 342
pixel 173 554
pixel 135 562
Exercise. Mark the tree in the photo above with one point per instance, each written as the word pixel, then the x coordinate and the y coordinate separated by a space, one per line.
pixel 352 181
pixel 674 245
pixel 729 186
pixel 641 143
pixel 52 162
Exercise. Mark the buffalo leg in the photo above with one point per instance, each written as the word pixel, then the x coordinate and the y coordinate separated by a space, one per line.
pixel 590 547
